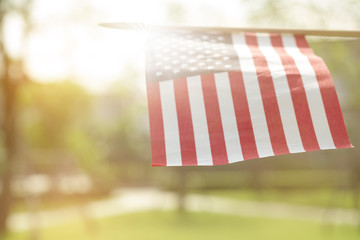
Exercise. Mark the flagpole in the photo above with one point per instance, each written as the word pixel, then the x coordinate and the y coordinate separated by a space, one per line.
pixel 296 31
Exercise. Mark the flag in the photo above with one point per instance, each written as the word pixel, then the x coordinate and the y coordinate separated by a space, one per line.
pixel 216 98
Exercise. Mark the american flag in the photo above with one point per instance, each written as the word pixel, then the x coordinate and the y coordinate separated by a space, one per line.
pixel 217 98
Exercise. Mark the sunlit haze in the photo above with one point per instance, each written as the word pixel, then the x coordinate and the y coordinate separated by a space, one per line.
pixel 66 41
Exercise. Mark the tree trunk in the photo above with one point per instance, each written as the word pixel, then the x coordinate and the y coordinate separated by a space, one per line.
pixel 181 188
pixel 9 90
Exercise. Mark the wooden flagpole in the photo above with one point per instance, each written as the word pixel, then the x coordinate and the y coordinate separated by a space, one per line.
pixel 309 32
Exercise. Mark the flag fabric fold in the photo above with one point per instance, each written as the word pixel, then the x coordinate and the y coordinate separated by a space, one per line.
pixel 216 98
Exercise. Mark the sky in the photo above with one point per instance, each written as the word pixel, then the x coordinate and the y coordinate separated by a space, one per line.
pixel 66 41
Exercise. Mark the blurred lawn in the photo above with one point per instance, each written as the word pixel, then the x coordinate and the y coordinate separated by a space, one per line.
pixel 56 203
pixel 172 225
pixel 313 197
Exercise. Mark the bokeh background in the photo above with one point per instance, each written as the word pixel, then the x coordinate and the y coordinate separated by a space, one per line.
pixel 74 139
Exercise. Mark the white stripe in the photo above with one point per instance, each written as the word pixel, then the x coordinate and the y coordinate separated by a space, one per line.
pixel 198 114
pixel 283 94
pixel 171 128
pixel 253 94
pixel 313 94
pixel 228 118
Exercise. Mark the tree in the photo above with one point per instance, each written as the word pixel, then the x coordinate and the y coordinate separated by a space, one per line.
pixel 11 76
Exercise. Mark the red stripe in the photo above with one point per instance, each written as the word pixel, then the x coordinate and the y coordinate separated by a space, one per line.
pixel 272 113
pixel 156 125
pixel 213 117
pixel 186 131
pixel 242 113
pixel 328 94
pixel 298 96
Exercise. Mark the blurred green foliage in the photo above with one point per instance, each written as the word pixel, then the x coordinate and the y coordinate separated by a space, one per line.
pixel 49 111
pixel 64 130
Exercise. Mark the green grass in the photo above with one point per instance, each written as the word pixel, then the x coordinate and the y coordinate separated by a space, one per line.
pixel 175 226
pixel 317 197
